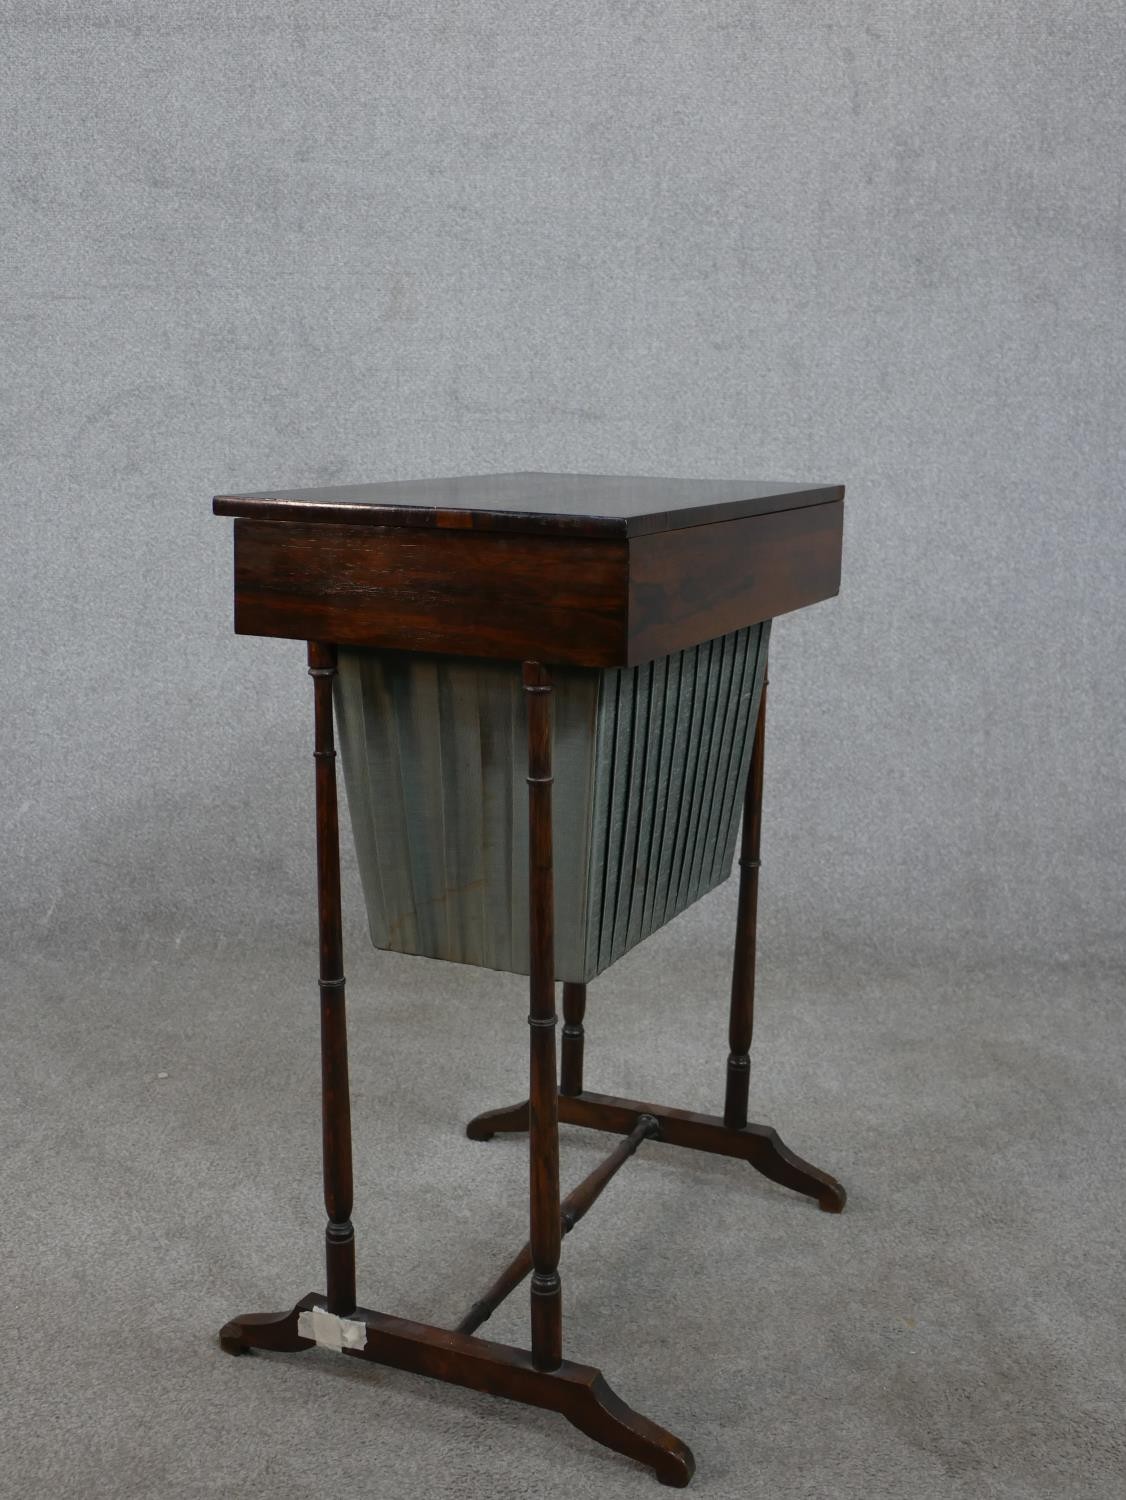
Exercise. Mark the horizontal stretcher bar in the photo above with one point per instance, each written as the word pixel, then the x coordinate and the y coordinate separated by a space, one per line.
pixel 759 1145
pixel 571 1210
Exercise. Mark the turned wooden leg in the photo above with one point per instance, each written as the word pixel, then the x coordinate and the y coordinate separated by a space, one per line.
pixel 513 1119
pixel 759 1145
pixel 543 1104
pixel 742 1018
pixel 336 1123
pixel 540 1378
pixel 571 1065
pixel 279 1331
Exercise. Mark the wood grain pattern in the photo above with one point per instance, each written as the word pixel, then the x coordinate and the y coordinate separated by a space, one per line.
pixel 692 586
pixel 574 505
pixel 513 597
pixel 759 1145
pixel 578 1392
pixel 587 571
pixel 568 601
pixel 571 1063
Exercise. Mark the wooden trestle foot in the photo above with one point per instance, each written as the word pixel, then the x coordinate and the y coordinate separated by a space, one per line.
pixel 512 1120
pixel 758 1145
pixel 578 1392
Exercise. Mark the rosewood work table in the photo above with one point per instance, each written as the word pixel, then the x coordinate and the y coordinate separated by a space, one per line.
pixel 486 642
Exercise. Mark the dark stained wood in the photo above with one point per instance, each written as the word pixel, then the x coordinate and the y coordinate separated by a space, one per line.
pixel 510 1119
pixel 574 569
pixel 571 1062
pixel 457 592
pixel 539 1377
pixel 691 586
pixel 276 1331
pixel 543 1116
pixel 578 1392
pixel 573 1208
pixel 759 1145
pixel 742 1015
pixel 573 505
pixel 340 1248
pixel 568 601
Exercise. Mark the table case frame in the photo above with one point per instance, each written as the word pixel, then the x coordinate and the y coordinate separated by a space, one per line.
pixel 290 574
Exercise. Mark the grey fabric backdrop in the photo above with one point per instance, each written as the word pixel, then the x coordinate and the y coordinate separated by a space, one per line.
pixel 247 244
pixel 877 242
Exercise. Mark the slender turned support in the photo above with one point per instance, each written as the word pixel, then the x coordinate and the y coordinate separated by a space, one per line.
pixel 572 1209
pixel 571 1065
pixel 732 1136
pixel 541 1378
pixel 336 1123
pixel 543 1100
pixel 743 972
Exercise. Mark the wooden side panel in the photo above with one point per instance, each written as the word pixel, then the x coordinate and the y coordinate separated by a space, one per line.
pixel 455 592
pixel 693 585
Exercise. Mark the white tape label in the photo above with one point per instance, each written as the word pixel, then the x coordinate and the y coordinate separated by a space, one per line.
pixel 330 1331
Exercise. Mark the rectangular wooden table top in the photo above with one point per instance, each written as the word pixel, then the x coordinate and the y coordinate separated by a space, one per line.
pixel 590 570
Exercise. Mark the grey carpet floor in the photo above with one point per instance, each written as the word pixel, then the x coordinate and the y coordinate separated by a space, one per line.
pixel 958 1332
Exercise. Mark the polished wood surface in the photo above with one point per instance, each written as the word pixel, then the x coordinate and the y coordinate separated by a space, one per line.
pixel 573 505
pixel 543 1113
pixel 578 1392
pixel 573 1208
pixel 336 1121
pixel 571 1061
pixel 539 1377
pixel 742 1012
pixel 692 586
pixel 576 601
pixel 570 570
pixel 760 1146
pixel 512 597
